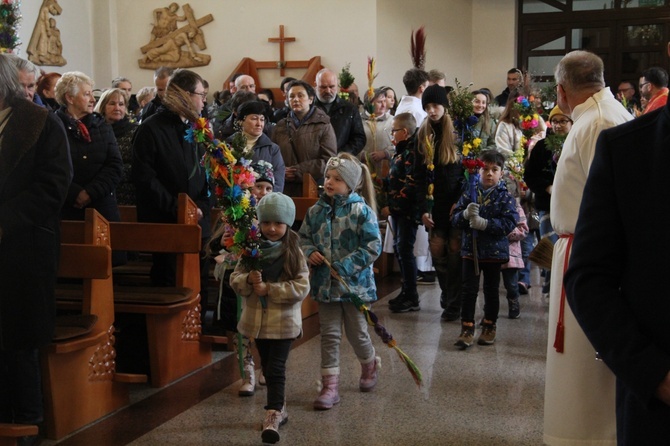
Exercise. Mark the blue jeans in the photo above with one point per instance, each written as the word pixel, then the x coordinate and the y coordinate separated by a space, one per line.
pixel 491 272
pixel 511 281
pixel 526 248
pixel 404 237
pixel 274 353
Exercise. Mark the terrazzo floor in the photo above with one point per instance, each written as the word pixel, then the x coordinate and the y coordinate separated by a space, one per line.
pixel 486 395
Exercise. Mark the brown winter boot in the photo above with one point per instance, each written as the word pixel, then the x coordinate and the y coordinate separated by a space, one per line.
pixel 329 395
pixel 369 374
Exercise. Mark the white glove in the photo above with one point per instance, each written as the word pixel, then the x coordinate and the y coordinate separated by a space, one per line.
pixel 478 223
pixel 471 211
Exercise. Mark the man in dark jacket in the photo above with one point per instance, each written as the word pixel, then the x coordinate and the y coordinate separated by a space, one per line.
pixel 514 80
pixel 616 280
pixel 165 165
pixel 35 173
pixel 344 116
pixel 161 77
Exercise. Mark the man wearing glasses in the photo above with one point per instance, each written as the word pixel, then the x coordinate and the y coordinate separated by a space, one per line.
pixel 627 95
pixel 165 165
pixel 654 88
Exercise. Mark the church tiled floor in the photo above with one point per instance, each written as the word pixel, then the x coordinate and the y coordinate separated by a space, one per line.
pixel 487 395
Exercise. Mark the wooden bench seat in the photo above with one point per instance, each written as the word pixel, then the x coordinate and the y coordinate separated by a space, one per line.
pixel 78 372
pixel 172 313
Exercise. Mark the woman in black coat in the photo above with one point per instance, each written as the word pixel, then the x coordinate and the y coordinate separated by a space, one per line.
pixel 34 176
pixel 113 106
pixel 96 160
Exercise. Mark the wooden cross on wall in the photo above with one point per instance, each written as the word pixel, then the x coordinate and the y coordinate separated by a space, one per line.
pixel 281 40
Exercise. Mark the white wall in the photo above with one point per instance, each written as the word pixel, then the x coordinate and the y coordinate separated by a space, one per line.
pixel 469 39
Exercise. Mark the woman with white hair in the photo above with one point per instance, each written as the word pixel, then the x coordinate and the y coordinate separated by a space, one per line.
pixel 96 160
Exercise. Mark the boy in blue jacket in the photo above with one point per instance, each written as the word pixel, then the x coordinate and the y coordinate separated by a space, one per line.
pixel 485 223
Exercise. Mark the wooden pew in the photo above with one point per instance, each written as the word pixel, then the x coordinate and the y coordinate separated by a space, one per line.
pixel 172 313
pixel 9 433
pixel 78 372
pixel 310 195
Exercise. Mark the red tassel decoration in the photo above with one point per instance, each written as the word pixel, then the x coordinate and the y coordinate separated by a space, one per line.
pixel 560 337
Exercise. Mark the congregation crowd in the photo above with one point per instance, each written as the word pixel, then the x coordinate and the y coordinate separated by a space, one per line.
pixel 382 162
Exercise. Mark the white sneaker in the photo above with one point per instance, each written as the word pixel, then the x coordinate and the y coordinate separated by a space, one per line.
pixel 249 382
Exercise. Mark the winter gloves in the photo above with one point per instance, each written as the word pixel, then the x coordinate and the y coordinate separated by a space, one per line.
pixel 478 223
pixel 472 213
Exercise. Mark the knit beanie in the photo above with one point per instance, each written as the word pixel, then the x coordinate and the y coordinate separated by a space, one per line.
pixel 349 169
pixel 557 111
pixel 250 108
pixel 264 171
pixel 276 207
pixel 435 94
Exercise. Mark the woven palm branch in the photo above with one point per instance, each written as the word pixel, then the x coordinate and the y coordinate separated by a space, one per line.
pixel 418 48
pixel 381 331
pixel 543 253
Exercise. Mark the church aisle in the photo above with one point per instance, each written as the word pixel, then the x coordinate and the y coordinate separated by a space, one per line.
pixel 487 395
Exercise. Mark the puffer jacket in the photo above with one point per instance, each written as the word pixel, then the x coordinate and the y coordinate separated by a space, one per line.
pixel 519 233
pixel 345 231
pixel 498 207
pixel 97 166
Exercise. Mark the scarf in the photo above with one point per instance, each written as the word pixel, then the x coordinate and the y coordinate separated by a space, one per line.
pixel 251 141
pixel 272 260
pixel 77 128
pixel 179 102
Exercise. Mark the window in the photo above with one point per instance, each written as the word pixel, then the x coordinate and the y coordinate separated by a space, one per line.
pixel 629 35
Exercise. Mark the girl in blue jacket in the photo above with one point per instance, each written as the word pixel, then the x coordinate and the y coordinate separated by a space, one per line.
pixel 341 229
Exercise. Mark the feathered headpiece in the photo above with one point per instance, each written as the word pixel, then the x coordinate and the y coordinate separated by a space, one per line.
pixel 418 49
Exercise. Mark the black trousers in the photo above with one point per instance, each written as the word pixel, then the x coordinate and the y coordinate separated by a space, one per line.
pixel 21 387
pixel 274 354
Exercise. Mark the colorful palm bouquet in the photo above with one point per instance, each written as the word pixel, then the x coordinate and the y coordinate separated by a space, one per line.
pixel 529 120
pixel 228 167
pixel 462 112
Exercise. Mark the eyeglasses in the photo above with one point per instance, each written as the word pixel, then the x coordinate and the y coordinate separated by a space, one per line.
pixel 392 131
pixel 643 84
pixel 203 95
pixel 561 122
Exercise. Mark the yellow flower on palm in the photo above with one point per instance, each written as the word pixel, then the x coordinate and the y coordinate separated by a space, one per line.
pixel 477 142
pixel 245 203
